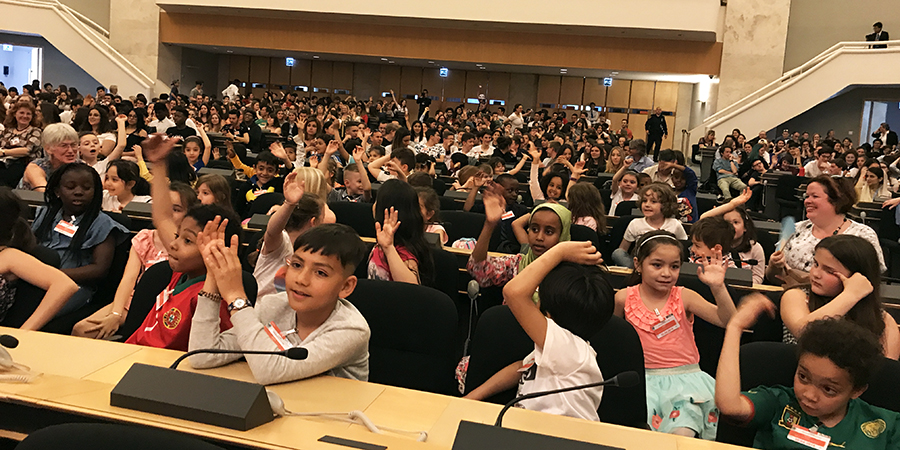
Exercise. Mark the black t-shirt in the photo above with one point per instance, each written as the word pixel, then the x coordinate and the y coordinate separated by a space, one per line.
pixel 183 133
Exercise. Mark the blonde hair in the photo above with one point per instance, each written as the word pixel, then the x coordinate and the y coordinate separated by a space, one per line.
pixel 314 181
pixel 613 168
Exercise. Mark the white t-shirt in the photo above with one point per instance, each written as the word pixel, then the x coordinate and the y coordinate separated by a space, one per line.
pixel 101 166
pixel 638 227
pixel 268 264
pixel 566 360
pixel 111 202
pixel 618 198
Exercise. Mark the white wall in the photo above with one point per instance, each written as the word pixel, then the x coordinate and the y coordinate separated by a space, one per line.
pixel 816 25
pixel 692 15
pixel 58 69
pixel 96 10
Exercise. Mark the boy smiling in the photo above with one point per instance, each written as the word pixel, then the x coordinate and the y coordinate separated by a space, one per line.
pixel 312 312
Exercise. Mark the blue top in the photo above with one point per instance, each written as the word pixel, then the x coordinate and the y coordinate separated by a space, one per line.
pixel 100 229
pixel 641 164
pixel 723 164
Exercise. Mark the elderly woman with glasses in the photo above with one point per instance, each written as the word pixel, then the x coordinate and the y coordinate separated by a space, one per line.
pixel 61 147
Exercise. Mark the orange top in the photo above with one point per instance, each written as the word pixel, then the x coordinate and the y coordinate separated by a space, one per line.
pixel 677 348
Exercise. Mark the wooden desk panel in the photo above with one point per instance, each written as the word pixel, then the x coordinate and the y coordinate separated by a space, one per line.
pixel 64 355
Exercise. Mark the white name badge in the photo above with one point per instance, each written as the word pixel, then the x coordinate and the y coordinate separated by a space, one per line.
pixel 666 326
pixel 277 336
pixel 809 438
pixel 65 228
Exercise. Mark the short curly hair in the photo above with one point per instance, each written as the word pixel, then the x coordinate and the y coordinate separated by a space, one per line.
pixel 664 194
pixel 848 345
pixel 841 194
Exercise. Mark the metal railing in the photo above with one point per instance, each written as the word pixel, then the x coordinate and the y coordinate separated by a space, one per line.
pixel 792 76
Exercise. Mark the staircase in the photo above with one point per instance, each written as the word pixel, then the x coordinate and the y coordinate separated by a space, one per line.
pixel 77 37
pixel 843 65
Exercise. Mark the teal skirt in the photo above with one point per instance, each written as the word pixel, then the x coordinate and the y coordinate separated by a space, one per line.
pixel 682 397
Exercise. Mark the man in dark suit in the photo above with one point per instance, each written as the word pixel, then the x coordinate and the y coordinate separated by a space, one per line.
pixel 888 137
pixel 878 35
pixel 656 131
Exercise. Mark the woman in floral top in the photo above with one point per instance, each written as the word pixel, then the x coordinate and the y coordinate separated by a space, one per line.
pixel 20 142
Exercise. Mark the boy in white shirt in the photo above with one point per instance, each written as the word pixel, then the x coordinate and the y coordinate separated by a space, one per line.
pixel 313 313
pixel 576 302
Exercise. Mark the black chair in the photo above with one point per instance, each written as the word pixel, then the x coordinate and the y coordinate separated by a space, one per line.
pixel 153 281
pixel 264 203
pixel 585 233
pixel 889 237
pixel 29 296
pixel 625 207
pixel 616 234
pixel 413 333
pixel 619 350
pixel 450 204
pixel 497 342
pixel 107 436
pixel 356 215
pixel 786 195
pixel 446 273
pixel 464 224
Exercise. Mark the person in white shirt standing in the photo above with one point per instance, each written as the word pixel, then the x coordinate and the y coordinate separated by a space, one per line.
pixel 232 91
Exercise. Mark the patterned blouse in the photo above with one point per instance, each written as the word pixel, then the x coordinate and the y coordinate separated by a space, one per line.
pixel 30 138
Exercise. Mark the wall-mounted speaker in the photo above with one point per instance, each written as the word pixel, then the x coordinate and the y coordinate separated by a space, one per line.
pixel 5 71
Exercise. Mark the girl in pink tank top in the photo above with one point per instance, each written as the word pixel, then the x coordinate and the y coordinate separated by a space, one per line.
pixel 679 395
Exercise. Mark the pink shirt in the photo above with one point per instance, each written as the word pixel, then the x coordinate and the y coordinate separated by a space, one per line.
pixel 147 247
pixel 676 348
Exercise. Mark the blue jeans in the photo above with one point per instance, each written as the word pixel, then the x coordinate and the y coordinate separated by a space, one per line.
pixel 622 258
pixel 80 298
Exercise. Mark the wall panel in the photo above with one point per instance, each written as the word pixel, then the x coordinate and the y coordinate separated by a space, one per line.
pixel 642 94
pixel 474 79
pixel 454 88
pixel 571 91
pixel 498 87
pixel 548 91
pixel 342 76
pixel 666 96
pixel 366 80
pixel 259 69
pixel 410 85
pixel 301 73
pixel 618 94
pixel 279 72
pixel 239 67
pixel 322 75
pixel 390 79
pixel 594 91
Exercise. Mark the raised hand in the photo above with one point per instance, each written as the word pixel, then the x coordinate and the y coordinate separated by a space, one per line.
pixel 494 206
pixel 212 232
pixel 158 146
pixel 229 149
pixel 293 188
pixel 358 154
pixel 121 120
pixel 384 234
pixel 743 198
pixel 278 150
pixel 857 284
pixel 750 309
pixel 712 271
pixel 578 170
pixel 332 147
pixel 224 265
pixel 534 153
pixel 579 252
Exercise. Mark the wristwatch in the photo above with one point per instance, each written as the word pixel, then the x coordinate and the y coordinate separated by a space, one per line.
pixel 238 304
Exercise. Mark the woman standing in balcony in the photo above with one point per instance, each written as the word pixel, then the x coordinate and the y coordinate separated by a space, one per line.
pixel 20 142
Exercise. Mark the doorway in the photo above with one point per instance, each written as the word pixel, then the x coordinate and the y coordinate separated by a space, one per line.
pixel 20 64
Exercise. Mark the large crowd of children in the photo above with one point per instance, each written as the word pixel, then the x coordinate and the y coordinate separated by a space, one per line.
pixel 293 155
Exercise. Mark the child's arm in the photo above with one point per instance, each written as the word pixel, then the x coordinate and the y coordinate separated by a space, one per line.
pixel 520 228
pixel 795 310
pixel 504 380
pixel 519 165
pixel 494 206
pixel 712 274
pixel 207 146
pixel 405 271
pixel 106 326
pixel 57 285
pixel 116 152
pixel 236 162
pixel 577 171
pixel 534 182
pixel 476 182
pixel 161 207
pixel 520 289
pixel 616 178
pixel 375 166
pixel 358 153
pixel 730 206
pixel 293 192
pixel 101 258
pixel 728 376
pixel 139 155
